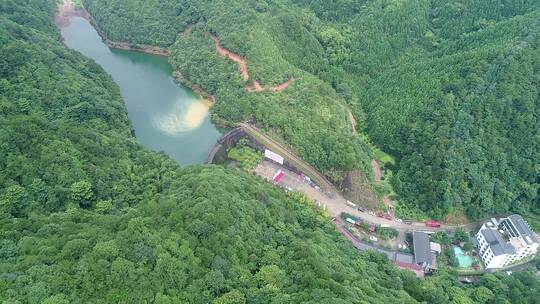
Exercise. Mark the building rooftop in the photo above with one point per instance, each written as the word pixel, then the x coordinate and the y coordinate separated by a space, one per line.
pixel 497 244
pixel 523 228
pixel 435 247
pixel 422 251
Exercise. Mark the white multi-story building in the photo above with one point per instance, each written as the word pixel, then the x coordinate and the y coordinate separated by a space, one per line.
pixel 509 241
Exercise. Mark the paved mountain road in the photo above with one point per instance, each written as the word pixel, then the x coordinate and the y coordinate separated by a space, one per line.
pixel 328 195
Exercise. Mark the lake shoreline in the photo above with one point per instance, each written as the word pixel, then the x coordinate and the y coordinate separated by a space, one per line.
pixel 67 10
pixel 165 115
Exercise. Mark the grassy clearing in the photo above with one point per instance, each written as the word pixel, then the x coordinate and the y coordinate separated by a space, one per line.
pixel 383 157
pixel 246 156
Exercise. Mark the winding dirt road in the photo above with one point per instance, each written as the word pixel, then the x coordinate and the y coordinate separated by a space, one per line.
pixel 255 86
pixel 353 121
pixel 241 62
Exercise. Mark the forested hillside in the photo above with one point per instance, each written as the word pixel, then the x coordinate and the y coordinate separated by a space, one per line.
pixel 309 115
pixel 449 88
pixel 87 215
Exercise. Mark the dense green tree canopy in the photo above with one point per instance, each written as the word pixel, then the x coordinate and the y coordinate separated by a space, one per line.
pixel 449 88
pixel 87 215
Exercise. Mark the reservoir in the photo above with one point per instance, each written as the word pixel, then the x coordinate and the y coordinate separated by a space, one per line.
pixel 165 115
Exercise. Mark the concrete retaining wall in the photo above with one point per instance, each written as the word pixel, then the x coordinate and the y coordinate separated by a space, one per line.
pixel 218 153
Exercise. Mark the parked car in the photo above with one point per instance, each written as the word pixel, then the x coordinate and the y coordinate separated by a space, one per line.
pixel 350 220
pixel 388 217
pixel 361 209
pixel 408 222
pixel 372 213
pixel 373 238
pixel 433 223
pixel 466 280
pixel 399 220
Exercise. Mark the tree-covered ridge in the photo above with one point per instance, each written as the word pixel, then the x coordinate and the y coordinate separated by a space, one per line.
pixel 465 121
pixel 89 216
pixel 449 88
pixel 309 115
pixel 191 245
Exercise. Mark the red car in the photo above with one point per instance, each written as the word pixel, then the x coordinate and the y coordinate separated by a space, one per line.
pixel 433 223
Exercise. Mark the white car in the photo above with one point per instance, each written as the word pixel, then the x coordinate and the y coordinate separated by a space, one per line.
pixel 372 213
pixel 372 238
pixel 399 220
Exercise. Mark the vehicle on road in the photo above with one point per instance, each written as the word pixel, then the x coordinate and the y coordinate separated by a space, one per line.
pixel 466 280
pixel 399 220
pixel 388 217
pixel 373 238
pixel 372 213
pixel 407 222
pixel 278 176
pixel 351 204
pixel 350 220
pixel 361 209
pixel 433 223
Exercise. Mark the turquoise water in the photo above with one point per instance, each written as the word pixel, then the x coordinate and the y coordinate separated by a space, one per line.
pixel 464 260
pixel 165 116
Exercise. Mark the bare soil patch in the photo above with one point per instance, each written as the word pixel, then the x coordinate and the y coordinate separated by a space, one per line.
pixel 257 87
pixel 242 64
pixel 242 67
pixel 353 122
pixel 66 11
pixel 356 188
pixel 254 87
pixel 456 217
pixel 377 173
pixel 282 86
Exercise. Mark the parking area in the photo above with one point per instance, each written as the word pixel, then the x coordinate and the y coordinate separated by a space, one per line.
pixel 333 203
